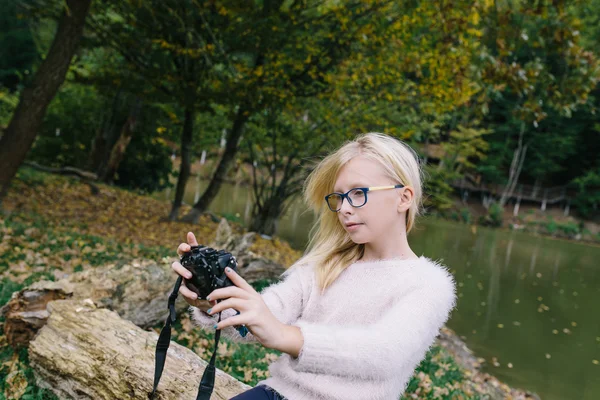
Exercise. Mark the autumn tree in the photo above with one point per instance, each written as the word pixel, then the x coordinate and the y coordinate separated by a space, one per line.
pixel 537 73
pixel 34 99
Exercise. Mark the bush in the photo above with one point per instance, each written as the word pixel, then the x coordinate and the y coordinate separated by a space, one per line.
pixel 466 216
pixel 587 199
pixel 493 216
pixel 551 226
pixel 454 216
pixel 571 229
pixel 438 190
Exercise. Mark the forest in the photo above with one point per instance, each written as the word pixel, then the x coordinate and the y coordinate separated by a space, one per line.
pixel 495 92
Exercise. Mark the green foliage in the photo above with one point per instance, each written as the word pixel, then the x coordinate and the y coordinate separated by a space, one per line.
pixel 261 284
pixel 17 47
pixel 146 165
pixel 466 216
pixel 437 376
pixel 72 122
pixel 437 187
pixel 279 145
pixel 7 288
pixel 232 217
pixel 587 199
pixel 570 229
pixel 540 80
pixel 8 103
pixel 551 226
pixel 493 217
pixel 465 76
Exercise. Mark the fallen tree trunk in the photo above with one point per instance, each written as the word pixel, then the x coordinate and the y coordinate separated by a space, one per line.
pixel 137 291
pixel 85 176
pixel 88 353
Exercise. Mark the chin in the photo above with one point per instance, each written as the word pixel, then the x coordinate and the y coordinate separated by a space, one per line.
pixel 358 240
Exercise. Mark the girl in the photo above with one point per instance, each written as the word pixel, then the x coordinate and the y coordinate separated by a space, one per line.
pixel 358 312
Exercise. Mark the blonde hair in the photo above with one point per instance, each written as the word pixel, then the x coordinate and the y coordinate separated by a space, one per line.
pixel 330 248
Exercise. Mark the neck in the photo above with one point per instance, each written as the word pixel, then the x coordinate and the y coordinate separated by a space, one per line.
pixel 390 245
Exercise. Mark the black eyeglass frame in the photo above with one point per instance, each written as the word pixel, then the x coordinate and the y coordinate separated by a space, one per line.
pixel 364 189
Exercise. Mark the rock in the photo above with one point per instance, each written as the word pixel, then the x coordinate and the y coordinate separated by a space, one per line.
pixel 84 352
pixel 224 233
pixel 252 267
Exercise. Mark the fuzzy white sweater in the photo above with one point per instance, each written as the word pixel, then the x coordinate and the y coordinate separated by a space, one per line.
pixel 364 337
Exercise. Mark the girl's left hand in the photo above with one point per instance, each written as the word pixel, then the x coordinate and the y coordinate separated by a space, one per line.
pixel 254 313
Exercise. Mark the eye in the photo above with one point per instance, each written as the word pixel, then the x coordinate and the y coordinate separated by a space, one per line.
pixel 358 192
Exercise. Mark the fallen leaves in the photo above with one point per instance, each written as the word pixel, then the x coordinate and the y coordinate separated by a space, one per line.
pixel 15 381
pixel 56 227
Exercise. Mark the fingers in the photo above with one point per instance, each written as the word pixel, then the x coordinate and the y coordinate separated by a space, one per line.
pixel 183 248
pixel 187 293
pixel 192 239
pixel 181 270
pixel 232 321
pixel 230 291
pixel 239 281
pixel 236 304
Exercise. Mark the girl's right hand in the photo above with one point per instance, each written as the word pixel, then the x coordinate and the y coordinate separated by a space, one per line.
pixel 190 297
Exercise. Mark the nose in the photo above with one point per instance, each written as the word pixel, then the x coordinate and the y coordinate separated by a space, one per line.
pixel 346 208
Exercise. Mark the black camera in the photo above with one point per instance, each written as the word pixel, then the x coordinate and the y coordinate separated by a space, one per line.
pixel 207 266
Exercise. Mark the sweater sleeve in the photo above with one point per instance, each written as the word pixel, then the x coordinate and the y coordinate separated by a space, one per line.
pixel 285 299
pixel 402 335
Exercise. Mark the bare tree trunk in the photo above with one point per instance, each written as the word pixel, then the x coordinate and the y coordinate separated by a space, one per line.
pixel 515 168
pixel 104 138
pixel 265 220
pixel 118 150
pixel 184 169
pixel 225 163
pixel 34 100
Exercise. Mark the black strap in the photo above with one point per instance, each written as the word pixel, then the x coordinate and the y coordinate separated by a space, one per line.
pixel 207 383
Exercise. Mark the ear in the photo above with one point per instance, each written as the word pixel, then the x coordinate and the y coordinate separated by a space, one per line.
pixel 405 198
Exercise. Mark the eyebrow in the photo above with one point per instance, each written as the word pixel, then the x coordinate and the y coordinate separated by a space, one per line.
pixel 355 185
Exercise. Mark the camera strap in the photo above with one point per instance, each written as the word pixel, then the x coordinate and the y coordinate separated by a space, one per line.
pixel 207 383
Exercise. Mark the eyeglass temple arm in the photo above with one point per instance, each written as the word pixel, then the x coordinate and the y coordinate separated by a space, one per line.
pixel 385 187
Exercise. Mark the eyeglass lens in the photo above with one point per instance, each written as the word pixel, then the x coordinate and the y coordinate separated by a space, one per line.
pixel 357 198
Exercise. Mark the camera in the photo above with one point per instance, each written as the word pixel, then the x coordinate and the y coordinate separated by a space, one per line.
pixel 207 266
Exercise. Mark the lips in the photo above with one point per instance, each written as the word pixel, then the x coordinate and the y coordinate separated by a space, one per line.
pixel 349 224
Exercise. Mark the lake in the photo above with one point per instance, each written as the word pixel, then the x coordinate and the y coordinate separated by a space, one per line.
pixel 528 305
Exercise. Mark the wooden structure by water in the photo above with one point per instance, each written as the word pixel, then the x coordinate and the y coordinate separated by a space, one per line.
pixel 531 193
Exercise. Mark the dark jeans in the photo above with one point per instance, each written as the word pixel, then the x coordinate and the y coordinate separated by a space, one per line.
pixel 258 393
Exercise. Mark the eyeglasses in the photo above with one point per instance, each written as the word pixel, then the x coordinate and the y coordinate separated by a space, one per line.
pixel 356 197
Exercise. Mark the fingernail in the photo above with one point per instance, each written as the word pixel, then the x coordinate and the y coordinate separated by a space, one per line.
pixel 207 298
pixel 209 310
pixel 228 269
pixel 189 276
pixel 215 326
